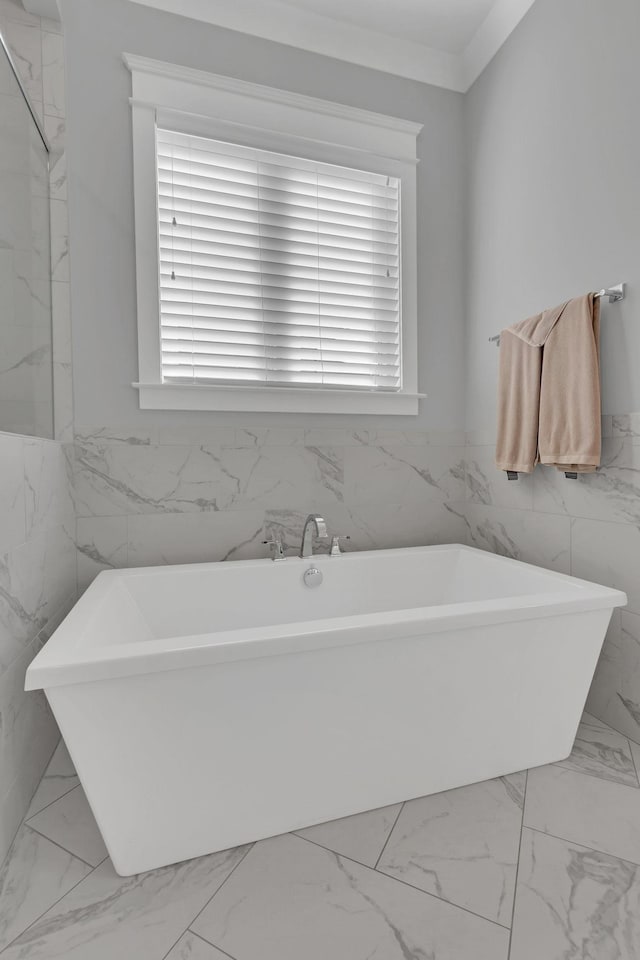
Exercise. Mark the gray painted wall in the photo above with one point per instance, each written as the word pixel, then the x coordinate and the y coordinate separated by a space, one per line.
pixel 554 211
pixel 553 154
pixel 101 206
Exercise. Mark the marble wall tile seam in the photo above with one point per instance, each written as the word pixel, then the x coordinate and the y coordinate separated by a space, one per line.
pixel 53 73
pixel 27 436
pixel 573 516
pixel 242 437
pixel 454 506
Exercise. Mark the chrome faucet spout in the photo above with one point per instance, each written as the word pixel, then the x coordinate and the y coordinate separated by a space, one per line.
pixel 317 522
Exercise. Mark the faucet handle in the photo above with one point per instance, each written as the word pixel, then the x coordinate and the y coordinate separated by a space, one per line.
pixel 335 550
pixel 277 552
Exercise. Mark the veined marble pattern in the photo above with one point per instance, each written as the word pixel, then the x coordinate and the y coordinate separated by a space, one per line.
pixel 627 425
pixel 37 587
pixel 574 903
pixel 611 493
pixel 360 838
pixel 603 752
pixel 541 539
pixel 373 473
pixel 615 691
pixel 579 809
pixel 114 478
pixel 37 874
pixel 290 899
pixel 424 880
pixel 60 777
pixel 608 553
pixel 192 947
pixel 462 845
pixel 70 823
pixel 490 486
pixel 12 501
pixel 108 916
pixel 162 494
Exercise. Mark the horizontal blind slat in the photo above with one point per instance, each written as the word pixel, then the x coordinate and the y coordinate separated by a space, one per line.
pixel 275 271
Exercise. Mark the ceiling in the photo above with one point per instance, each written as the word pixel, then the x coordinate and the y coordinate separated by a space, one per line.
pixel 447 25
pixel 444 42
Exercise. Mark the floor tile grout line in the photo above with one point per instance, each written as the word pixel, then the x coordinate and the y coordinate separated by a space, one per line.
pixel 5 859
pixel 594 776
pixel 633 760
pixel 208 943
pixel 59 845
pixel 295 833
pixel 584 846
pixel 384 845
pixel 405 883
pixel 515 883
pixel 228 877
pixel 174 944
pixel 580 773
pixel 51 802
pixel 52 905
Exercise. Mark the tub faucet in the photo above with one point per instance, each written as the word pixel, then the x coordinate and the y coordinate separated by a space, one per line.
pixel 306 547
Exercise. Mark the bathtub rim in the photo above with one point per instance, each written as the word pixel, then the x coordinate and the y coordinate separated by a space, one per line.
pixel 63 661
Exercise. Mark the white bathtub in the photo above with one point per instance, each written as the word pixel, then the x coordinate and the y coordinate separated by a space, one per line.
pixel 208 705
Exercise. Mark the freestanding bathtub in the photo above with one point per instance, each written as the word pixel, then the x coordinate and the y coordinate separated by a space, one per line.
pixel 208 705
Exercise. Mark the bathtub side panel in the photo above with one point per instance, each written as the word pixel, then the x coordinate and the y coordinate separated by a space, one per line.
pixel 181 763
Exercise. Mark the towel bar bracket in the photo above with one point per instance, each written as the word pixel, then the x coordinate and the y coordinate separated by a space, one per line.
pixel 615 294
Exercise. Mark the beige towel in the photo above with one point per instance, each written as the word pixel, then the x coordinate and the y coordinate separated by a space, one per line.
pixel 549 390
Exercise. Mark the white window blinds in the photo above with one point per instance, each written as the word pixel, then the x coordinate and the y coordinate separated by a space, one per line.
pixel 276 271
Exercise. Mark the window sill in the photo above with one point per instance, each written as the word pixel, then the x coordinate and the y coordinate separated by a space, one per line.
pixel 172 396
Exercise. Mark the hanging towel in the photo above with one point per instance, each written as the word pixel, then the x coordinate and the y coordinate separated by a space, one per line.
pixel 549 390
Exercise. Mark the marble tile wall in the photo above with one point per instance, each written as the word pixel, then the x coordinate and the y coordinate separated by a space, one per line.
pixel 37 588
pixel 37 520
pixel 172 496
pixel 589 527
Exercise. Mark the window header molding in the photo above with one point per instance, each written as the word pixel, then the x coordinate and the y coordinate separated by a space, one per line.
pixel 185 89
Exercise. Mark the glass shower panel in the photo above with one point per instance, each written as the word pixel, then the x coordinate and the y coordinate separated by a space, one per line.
pixel 26 361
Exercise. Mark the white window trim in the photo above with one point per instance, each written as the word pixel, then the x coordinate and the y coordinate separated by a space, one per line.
pixel 206 104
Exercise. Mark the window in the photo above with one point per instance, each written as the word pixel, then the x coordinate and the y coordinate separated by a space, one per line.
pixel 275 270
pixel 280 280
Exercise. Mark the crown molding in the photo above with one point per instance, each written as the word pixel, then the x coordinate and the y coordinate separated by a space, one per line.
pixel 42 8
pixel 494 31
pixel 283 23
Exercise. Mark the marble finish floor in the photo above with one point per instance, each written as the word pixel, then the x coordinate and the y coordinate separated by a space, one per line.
pixel 539 865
